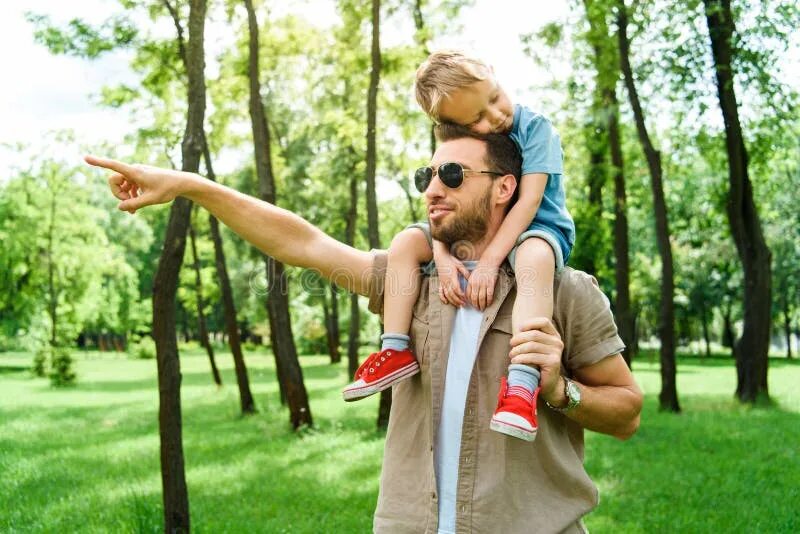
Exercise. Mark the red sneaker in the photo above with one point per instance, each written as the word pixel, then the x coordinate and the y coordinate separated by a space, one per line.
pixel 380 371
pixel 515 414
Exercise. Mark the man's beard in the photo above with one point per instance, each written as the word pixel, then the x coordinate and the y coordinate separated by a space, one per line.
pixel 466 228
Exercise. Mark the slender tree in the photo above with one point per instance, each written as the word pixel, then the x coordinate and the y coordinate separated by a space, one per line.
pixel 752 349
pixel 668 398
pixel 622 295
pixel 331 318
pixel 201 315
pixel 354 331
pixel 608 74
pixel 372 203
pixel 421 38
pixel 246 402
pixel 288 366
pixel 173 478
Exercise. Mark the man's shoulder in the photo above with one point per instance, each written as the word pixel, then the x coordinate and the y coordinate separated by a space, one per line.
pixel 573 287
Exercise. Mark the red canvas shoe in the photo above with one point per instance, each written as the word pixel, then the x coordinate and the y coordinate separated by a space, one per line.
pixel 380 371
pixel 515 414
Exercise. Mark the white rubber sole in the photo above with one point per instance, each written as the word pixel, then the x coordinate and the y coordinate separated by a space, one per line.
pixel 512 425
pixel 357 391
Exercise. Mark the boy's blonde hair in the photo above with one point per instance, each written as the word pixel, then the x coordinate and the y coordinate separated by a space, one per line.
pixel 442 73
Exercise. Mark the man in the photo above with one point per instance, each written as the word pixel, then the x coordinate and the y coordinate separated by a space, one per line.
pixel 443 469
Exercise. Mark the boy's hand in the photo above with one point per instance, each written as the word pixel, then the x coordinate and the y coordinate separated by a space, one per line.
pixel 480 288
pixel 448 269
pixel 138 186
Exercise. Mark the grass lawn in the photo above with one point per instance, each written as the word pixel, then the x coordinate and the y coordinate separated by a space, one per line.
pixel 86 458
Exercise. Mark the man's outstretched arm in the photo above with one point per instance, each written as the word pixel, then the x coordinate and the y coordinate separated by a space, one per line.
pixel 275 231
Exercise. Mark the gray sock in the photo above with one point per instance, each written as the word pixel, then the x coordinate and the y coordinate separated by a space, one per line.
pixel 394 341
pixel 523 375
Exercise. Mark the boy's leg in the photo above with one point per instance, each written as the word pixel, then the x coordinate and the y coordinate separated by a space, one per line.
pixel 534 268
pixel 395 361
pixel 409 249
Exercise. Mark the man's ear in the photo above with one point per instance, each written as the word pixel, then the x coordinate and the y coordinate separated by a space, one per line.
pixel 506 187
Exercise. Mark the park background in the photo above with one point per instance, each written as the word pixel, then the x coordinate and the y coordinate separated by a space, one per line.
pixel 682 181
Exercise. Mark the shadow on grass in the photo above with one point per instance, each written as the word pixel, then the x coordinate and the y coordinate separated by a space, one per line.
pixel 7 369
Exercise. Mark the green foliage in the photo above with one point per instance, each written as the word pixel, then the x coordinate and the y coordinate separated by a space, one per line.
pixel 40 361
pixel 61 373
pixel 80 39
pixel 143 349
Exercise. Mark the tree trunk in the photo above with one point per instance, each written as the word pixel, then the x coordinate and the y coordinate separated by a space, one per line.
pixel 337 335
pixel 201 316
pixel 372 107
pixel 728 335
pixel 355 319
pixel 52 307
pixel 419 37
pixel 289 372
pixel 331 317
pixel 787 327
pixel 668 398
pixel 229 308
pixel 165 284
pixel 622 295
pixel 246 401
pixel 372 204
pixel 606 133
pixel 706 337
pixel 752 349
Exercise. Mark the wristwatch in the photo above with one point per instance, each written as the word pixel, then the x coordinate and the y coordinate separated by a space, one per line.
pixel 573 394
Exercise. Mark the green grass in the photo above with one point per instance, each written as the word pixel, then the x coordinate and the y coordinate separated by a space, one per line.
pixel 86 458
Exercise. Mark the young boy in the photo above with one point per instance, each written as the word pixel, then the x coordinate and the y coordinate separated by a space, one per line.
pixel 537 235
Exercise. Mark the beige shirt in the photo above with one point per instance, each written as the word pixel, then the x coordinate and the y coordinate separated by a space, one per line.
pixel 504 484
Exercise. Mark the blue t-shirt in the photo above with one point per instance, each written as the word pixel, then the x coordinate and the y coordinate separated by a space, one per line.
pixel 541 151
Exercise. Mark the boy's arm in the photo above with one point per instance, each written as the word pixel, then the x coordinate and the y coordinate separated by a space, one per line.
pixel 277 232
pixel 519 217
pixel 480 288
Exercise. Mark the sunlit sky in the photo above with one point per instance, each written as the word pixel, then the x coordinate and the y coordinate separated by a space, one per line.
pixel 41 93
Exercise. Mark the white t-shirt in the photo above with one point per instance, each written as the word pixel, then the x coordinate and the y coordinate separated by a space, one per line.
pixel 461 359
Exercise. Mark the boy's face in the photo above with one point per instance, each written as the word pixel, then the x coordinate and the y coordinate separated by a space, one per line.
pixel 482 107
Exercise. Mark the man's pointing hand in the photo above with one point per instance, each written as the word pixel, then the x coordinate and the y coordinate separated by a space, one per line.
pixel 138 186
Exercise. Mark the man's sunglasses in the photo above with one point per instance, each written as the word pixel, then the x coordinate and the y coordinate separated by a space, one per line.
pixel 451 174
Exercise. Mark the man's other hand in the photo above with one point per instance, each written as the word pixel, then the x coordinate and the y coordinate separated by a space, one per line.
pixel 138 186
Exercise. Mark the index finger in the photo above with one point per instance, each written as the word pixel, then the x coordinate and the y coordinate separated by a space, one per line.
pixel 540 323
pixel 108 163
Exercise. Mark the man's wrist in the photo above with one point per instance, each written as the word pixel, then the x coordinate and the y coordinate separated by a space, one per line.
pixel 490 259
pixel 558 398
pixel 572 394
pixel 190 185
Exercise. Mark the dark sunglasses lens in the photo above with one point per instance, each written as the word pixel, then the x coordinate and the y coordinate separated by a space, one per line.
pixel 422 178
pixel 451 174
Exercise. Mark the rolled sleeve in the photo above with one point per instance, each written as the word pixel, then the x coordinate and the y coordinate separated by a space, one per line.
pixel 377 276
pixel 583 315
